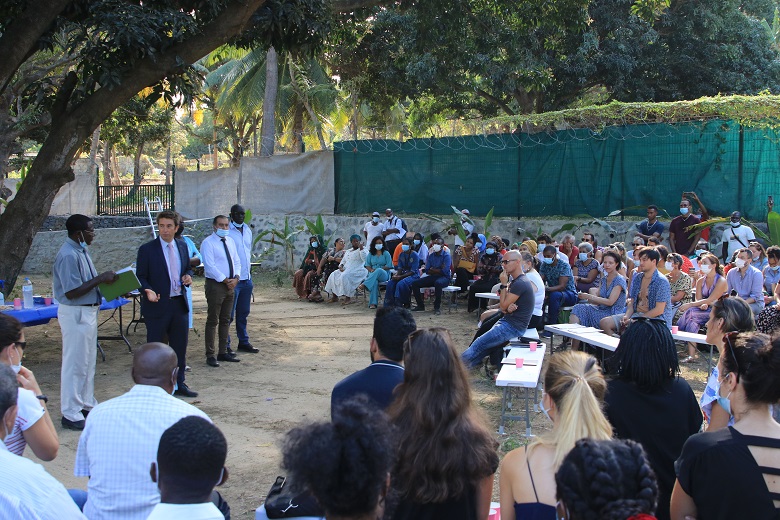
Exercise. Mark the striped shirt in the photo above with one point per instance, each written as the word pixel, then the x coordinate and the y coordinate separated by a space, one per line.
pixel 29 410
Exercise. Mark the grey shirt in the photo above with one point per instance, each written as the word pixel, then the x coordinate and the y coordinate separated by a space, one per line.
pixel 525 303
pixel 72 268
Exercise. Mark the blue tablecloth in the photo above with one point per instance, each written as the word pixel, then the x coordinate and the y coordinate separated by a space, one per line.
pixel 42 314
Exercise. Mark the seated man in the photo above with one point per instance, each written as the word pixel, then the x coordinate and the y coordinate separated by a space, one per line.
pixel 438 271
pixel 746 281
pixel 650 295
pixel 560 283
pixel 120 438
pixel 517 304
pixel 27 491
pixel 546 240
pixel 392 325
pixel 190 462
pixel 651 226
pixel 407 265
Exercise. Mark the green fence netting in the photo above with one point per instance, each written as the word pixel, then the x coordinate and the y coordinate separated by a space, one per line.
pixel 570 172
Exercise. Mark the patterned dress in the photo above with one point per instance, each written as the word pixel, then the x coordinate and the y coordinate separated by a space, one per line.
pixel 590 315
pixel 583 271
pixel 694 318
pixel 683 283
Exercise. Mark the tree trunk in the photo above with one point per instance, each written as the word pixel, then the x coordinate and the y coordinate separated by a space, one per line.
pixel 137 177
pixel 268 126
pixel 93 150
pixel 107 178
pixel 216 152
pixel 116 180
pixel 297 129
pixel 302 96
pixel 168 164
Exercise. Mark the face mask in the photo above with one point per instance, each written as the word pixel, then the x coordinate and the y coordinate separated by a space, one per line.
pixel 489 251
pixel 756 255
pixel 547 261
pixel 545 411
pixel 706 268
pixel 375 219
pixel 739 263
pixel 417 242
pixel 314 244
pixel 82 243
pixel 775 268
pixel 668 266
pixel 378 247
pixel 736 224
pixel 238 225
pixel 405 247
pixel 583 256
pixel 436 248
pixel 724 402
pixel 684 211
pixel 700 252
pixel 16 367
pixel 222 233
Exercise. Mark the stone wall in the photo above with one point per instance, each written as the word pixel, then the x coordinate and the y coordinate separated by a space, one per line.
pixel 115 248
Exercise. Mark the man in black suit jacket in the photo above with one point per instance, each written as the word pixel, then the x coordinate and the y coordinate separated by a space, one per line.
pixel 163 268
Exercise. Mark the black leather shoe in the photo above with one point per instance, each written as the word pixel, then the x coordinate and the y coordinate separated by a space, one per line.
pixel 73 425
pixel 227 358
pixel 185 391
pixel 419 308
pixel 85 413
pixel 212 361
pixel 248 347
pixel 230 352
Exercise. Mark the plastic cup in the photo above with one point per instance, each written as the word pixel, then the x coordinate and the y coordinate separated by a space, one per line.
pixel 675 329
pixel 17 304
pixel 519 362
pixel 495 511
pixel 47 300
pixel 533 345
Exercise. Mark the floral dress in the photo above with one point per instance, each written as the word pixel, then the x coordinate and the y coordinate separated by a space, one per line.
pixel 683 283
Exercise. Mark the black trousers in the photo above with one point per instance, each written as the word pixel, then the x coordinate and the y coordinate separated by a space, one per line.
pixel 173 323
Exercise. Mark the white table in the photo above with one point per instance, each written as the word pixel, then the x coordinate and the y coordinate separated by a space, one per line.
pixel 696 338
pixel 526 378
pixel 584 334
pixel 486 296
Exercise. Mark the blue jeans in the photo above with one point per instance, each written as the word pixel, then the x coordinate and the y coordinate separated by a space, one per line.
pixel 437 281
pixel 372 282
pixel 241 302
pixel 79 496
pixel 556 300
pixel 499 334
pixel 396 293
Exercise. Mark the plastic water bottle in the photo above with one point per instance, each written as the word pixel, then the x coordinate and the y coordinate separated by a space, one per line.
pixel 27 293
pixel 2 296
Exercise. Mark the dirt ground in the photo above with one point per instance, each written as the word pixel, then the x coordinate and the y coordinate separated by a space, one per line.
pixel 305 349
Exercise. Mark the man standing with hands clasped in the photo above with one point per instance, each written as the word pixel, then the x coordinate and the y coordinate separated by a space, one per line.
pixel 163 268
pixel 222 269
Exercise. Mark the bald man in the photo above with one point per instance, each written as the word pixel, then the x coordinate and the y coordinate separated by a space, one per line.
pixel 121 436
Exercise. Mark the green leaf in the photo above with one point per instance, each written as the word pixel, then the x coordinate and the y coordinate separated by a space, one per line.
pixel 773 223
pixel 489 220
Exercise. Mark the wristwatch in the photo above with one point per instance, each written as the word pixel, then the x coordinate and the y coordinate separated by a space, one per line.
pixel 502 286
pixel 43 397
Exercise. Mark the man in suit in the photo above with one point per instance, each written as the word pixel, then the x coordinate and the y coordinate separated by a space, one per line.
pixel 222 265
pixel 163 268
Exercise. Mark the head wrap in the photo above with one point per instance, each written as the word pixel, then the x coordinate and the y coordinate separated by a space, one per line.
pixel 353 237
pixel 532 246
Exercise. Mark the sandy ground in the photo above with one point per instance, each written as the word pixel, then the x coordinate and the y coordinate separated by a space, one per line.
pixel 305 349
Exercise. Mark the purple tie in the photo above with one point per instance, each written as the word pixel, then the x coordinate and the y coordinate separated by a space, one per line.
pixel 173 269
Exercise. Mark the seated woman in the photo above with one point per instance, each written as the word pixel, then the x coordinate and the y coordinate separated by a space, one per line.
pixel 709 288
pixel 446 453
pixel 464 262
pixel 748 452
pixel 33 425
pixel 759 256
pixel 620 486
pixel 350 274
pixel 679 282
pixel 574 389
pixel 728 315
pixel 608 301
pixel 378 264
pixel 586 269
pixel 311 260
pixel 329 263
pixel 345 464
pixel 488 269
pixel 626 266
pixel 408 267
pixel 647 401
pixel 771 274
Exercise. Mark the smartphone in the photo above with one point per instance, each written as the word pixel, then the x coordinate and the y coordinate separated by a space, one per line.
pixel 770 200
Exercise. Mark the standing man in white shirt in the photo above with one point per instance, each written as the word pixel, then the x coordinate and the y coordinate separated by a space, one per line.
pixel 190 462
pixel 121 437
pixel 393 231
pixel 373 228
pixel 222 265
pixel 27 491
pixel 241 234
pixel 75 286
pixel 735 237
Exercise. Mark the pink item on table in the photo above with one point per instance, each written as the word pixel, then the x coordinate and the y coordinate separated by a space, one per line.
pixel 47 300
pixel 519 362
pixel 17 304
pixel 533 345
pixel 675 329
pixel 495 511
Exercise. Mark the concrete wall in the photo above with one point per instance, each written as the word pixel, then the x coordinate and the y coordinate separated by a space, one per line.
pixel 115 248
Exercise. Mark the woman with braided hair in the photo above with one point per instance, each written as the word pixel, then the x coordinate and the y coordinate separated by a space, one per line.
pixel 606 480
pixel 733 472
pixel 649 403
pixel 574 389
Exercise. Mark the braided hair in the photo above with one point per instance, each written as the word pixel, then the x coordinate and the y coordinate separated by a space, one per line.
pixel 606 480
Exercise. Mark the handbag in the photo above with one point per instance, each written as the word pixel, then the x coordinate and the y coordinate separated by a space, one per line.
pixel 282 502
pixel 468 266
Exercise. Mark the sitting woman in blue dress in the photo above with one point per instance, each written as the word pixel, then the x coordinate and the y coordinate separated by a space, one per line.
pixel 574 389
pixel 608 301
pixel 378 263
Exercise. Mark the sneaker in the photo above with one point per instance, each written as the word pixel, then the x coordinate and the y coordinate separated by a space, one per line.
pixel 436 312
pixel 73 425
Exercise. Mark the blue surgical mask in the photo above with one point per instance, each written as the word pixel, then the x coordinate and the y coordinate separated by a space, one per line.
pixel 700 252
pixel 375 219
pixel 378 247
pixel 417 242
pixel 684 211
pixel 81 242
pixel 724 402
pixel 583 256
pixel 175 387
pixel 736 224
pixel 314 244
pixel 222 233
pixel 775 268
pixel 16 367
pixel 404 247
pixel 489 251
pixel 238 225
pixel 545 411
pixel 547 261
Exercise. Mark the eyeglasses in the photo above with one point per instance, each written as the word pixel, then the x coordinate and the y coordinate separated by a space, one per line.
pixel 507 261
pixel 21 344
pixel 561 511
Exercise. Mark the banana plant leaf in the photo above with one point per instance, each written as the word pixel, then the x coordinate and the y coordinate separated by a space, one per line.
pixel 773 223
pixel 624 211
pixel 489 221
pixel 696 228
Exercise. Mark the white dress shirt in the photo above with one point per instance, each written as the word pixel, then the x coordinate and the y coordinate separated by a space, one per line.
pixel 214 259
pixel 207 511
pixel 27 487
pixel 393 222
pixel 117 447
pixel 242 236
